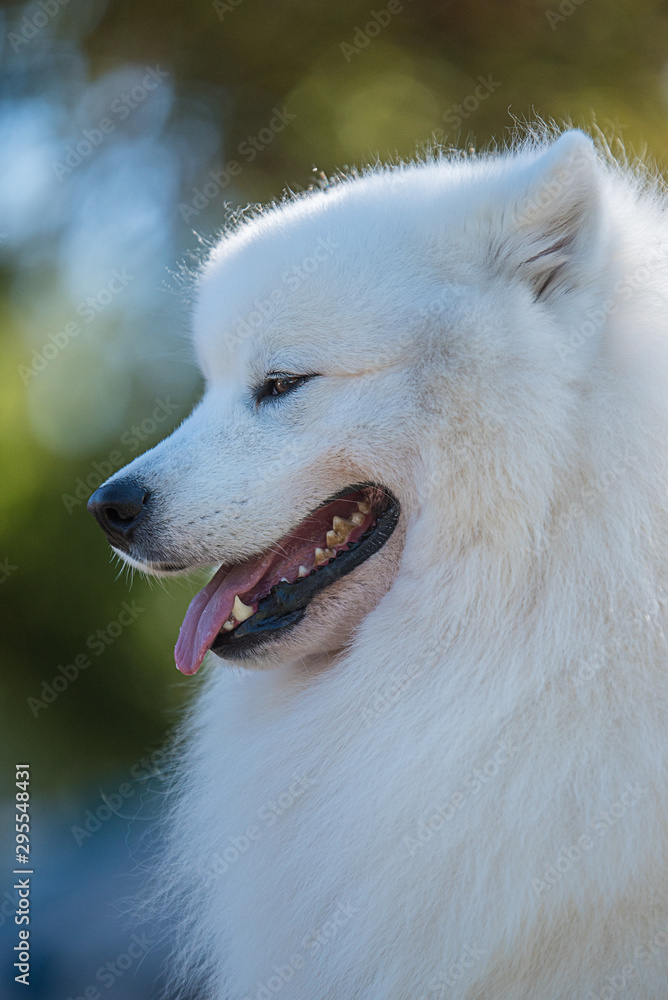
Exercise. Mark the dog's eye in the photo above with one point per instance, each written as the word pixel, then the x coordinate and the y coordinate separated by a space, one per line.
pixel 279 383
pixel 283 384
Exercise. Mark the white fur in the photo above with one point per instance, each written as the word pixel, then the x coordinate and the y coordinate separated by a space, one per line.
pixel 448 376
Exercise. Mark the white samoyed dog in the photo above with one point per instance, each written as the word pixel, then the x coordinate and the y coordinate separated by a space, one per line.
pixel 429 467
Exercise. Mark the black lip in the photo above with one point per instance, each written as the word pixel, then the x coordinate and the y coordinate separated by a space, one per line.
pixel 285 605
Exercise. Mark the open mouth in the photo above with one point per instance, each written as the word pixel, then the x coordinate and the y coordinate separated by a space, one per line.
pixel 244 605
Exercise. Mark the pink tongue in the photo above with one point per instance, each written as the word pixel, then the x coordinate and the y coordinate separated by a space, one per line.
pixel 213 606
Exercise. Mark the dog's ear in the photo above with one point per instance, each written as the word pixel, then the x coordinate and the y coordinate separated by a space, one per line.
pixel 554 224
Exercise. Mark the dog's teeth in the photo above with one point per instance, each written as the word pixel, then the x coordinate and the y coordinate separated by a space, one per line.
pixel 228 625
pixel 240 610
pixel 303 572
pixel 342 527
pixel 322 555
pixel 364 506
pixel 357 518
pixel 284 579
pixel 339 531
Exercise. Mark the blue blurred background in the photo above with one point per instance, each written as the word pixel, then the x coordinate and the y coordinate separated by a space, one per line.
pixel 129 132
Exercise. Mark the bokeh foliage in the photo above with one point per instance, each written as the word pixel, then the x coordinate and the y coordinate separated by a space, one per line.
pixel 355 95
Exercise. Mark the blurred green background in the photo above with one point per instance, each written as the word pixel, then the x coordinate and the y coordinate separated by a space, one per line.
pixel 118 122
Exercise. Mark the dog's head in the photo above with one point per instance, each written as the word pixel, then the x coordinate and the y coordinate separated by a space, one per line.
pixel 366 349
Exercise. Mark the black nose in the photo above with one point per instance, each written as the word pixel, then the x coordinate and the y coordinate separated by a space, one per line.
pixel 118 508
